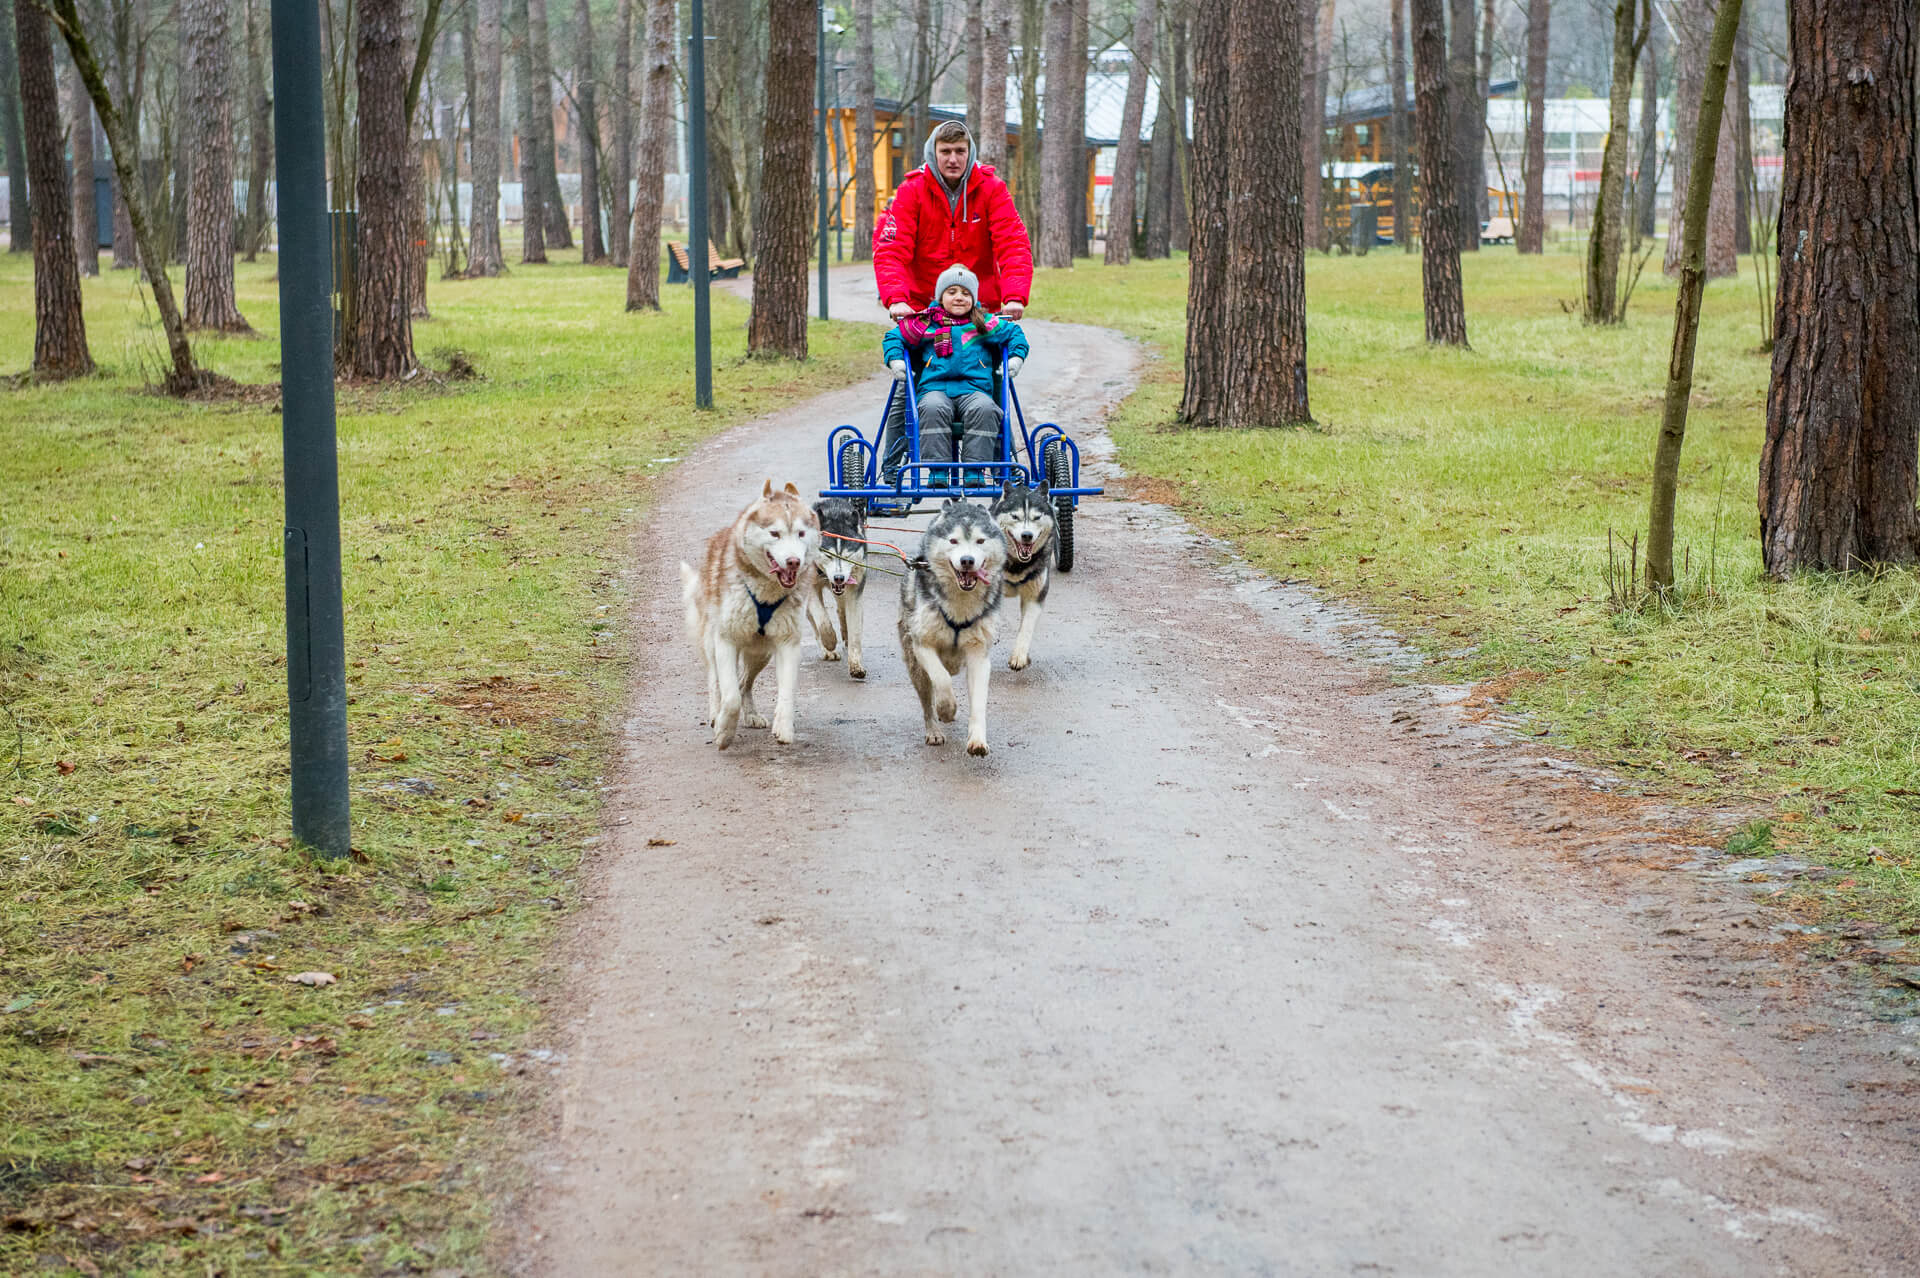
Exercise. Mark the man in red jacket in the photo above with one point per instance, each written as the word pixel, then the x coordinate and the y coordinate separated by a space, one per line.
pixel 951 211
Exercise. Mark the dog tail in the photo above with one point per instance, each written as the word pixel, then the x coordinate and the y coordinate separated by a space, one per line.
pixel 690 596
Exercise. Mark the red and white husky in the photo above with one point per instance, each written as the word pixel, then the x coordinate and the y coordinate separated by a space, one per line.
pixel 744 608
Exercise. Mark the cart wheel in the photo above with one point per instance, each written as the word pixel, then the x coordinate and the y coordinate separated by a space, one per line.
pixel 852 462
pixel 1060 475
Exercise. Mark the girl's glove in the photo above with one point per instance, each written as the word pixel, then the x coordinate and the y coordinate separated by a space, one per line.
pixel 899 367
pixel 1013 365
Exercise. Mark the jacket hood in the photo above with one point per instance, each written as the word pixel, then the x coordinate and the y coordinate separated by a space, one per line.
pixel 957 192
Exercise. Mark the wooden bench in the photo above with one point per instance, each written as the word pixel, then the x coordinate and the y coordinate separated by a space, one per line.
pixel 1499 230
pixel 680 269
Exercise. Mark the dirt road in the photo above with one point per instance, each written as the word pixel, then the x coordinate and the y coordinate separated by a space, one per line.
pixel 1231 958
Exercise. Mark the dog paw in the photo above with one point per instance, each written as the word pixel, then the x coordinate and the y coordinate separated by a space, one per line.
pixel 753 721
pixel 829 654
pixel 1019 661
pixel 856 670
pixel 784 734
pixel 977 748
pixel 936 737
pixel 945 708
pixel 722 738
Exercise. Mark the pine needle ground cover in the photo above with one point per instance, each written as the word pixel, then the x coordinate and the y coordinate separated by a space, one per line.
pixel 1485 503
pixel 175 1100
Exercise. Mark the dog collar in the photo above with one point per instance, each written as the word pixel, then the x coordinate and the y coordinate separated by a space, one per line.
pixel 958 626
pixel 766 610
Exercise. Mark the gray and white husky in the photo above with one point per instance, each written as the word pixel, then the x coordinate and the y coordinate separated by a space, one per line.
pixel 843 570
pixel 947 602
pixel 1025 517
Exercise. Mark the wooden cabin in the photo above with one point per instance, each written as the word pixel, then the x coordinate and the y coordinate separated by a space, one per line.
pixel 1359 164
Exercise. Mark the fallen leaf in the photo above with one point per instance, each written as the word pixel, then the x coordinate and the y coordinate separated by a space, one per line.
pixel 313 978
pixel 211 1178
pixel 659 843
pixel 137 1164
pixel 514 816
pixel 193 1160
pixel 64 767
pixel 189 961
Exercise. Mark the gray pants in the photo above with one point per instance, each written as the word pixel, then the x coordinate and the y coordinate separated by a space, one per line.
pixel 980 418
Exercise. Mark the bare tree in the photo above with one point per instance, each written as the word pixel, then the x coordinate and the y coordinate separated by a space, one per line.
pixel 1533 207
pixel 593 249
pixel 1693 22
pixel 59 323
pixel 650 170
pixel 127 76
pixel 1837 471
pixel 381 345
pixel 1402 127
pixel 86 213
pixel 1441 295
pixel 259 130
pixel 992 133
pixel 484 257
pixel 419 235
pixel 778 324
pixel 1059 149
pixel 12 134
pixel 1646 183
pixel 865 193
pixel 1126 159
pixel 209 295
pixel 1466 143
pixel 533 189
pixel 1603 302
pixel 620 215
pixel 1203 401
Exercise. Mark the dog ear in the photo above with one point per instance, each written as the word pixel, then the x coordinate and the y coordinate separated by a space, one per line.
pixel 790 487
pixel 767 490
pixel 1041 491
pixel 1006 488
pixel 819 508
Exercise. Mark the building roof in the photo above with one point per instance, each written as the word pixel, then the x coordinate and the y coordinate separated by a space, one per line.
pixel 1376 100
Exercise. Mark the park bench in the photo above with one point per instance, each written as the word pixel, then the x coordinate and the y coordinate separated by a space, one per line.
pixel 680 269
pixel 1499 230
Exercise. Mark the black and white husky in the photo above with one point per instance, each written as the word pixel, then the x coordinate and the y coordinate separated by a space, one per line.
pixel 843 570
pixel 947 602
pixel 1025 517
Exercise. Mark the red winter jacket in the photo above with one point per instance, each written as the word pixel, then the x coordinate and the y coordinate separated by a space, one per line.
pixel 921 234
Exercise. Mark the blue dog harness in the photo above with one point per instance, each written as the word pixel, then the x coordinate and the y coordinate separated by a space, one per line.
pixel 766 610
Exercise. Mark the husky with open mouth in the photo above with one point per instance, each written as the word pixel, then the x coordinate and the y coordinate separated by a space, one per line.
pixel 1025 516
pixel 947 602
pixel 744 605
pixel 843 570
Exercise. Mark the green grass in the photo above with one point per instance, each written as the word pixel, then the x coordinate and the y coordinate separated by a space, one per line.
pixel 1470 497
pixel 173 1104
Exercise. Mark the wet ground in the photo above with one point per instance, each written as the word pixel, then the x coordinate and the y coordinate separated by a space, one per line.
pixel 1239 954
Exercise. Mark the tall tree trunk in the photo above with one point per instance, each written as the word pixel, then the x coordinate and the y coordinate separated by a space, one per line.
pixel 1313 112
pixel 593 249
pixel 209 295
pixel 1446 311
pixel 1126 159
pixel 533 189
pixel 650 169
pixel 1203 401
pixel 1482 87
pixel 259 133
pixel 975 44
pixel 1028 183
pixel 13 135
pixel 778 324
pixel 1646 189
pixel 1267 316
pixel 1695 22
pixel 128 81
pixel 620 216
pixel 484 257
pixel 1465 145
pixel 1156 239
pixel 1059 154
pixel 1177 220
pixel 382 341
pixel 1837 471
pixel 1742 146
pixel 1402 129
pixel 553 205
pixel 86 213
pixel 992 133
pixel 1080 231
pixel 1717 53
pixel 865 192
pixel 920 78
pixel 59 324
pixel 1609 206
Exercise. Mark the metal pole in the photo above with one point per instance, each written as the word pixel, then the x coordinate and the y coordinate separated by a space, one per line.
pixel 697 209
pixel 820 163
pixel 316 640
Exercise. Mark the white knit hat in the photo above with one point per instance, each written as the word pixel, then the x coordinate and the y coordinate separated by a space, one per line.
pixel 956 274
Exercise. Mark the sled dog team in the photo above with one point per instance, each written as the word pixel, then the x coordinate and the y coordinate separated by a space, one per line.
pixel 781 557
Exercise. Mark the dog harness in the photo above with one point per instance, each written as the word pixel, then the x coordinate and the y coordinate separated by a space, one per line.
pixel 1034 565
pixel 958 626
pixel 766 610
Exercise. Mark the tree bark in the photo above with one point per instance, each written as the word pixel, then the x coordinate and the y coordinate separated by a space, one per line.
pixel 1058 154
pixel 59 323
pixel 975 43
pixel 992 133
pixel 209 293
pixel 533 191
pixel 1837 471
pixel 1532 234
pixel 86 214
pixel 1203 401
pixel 1646 189
pixel 1482 87
pixel 484 257
pixel 620 216
pixel 778 324
pixel 1126 158
pixel 1742 146
pixel 1156 238
pixel 1609 206
pixel 1081 213
pixel 1177 219
pixel 650 168
pixel 1466 143
pixel 865 192
pixel 1402 152
pixel 259 133
pixel 13 134
pixel 593 249
pixel 1027 181
pixel 128 74
pixel 1695 22
pixel 1267 314
pixel 1446 312
pixel 1313 111
pixel 920 73
pixel 1717 53
pixel 382 341
pixel 553 205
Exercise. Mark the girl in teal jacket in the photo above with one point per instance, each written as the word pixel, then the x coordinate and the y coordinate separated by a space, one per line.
pixel 955 347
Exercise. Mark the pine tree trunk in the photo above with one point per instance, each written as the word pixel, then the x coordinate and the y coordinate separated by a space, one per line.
pixel 59 324
pixel 209 294
pixel 1441 296
pixel 128 77
pixel 620 216
pixel 260 134
pixel 1532 234
pixel 1695 20
pixel 650 169
pixel 1465 143
pixel 13 134
pixel 1313 110
pixel 1646 188
pixel 1203 401
pixel 1267 313
pixel 1482 86
pixel 1402 130
pixel 484 257
pixel 921 79
pixel 382 341
pixel 419 234
pixel 533 190
pixel 86 214
pixel 1157 235
pixel 865 192
pixel 1837 471
pixel 778 324
pixel 1177 220
pixel 1079 210
pixel 975 44
pixel 553 205
pixel 992 134
pixel 1027 182
pixel 1126 158
pixel 1059 155
pixel 1742 147
pixel 1609 206
pixel 593 249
